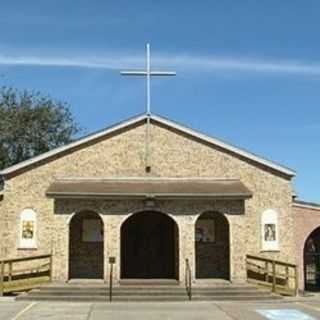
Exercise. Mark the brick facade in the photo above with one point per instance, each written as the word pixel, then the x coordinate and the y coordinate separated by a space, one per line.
pixel 307 219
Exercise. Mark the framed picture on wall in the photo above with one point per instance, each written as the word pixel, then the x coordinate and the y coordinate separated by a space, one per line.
pixel 270 232
pixel 92 230
pixel 27 229
pixel 205 230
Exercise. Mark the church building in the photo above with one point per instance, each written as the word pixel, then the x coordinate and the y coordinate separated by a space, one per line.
pixel 148 206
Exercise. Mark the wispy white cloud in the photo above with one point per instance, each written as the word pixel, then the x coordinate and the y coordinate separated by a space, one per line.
pixel 185 62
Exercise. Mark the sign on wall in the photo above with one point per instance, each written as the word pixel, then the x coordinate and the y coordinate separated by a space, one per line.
pixel 92 230
pixel 205 230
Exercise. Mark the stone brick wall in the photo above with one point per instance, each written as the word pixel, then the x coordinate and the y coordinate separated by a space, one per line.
pixel 307 219
pixel 172 155
pixel 2 222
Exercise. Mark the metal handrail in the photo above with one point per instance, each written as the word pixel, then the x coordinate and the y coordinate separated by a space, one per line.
pixel 188 280
pixel 111 263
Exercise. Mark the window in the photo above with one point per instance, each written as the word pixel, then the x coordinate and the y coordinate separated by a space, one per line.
pixel 92 230
pixel 27 231
pixel 205 229
pixel 269 230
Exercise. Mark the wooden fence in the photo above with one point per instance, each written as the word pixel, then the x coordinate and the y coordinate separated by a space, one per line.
pixel 280 277
pixel 24 273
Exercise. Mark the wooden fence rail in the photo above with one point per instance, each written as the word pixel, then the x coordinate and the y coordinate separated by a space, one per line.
pixel 21 274
pixel 281 277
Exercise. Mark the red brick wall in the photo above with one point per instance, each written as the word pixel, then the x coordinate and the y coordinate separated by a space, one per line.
pixel 306 220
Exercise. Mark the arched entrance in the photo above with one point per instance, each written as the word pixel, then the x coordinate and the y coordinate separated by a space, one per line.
pixel 86 246
pixel 212 246
pixel 312 261
pixel 149 247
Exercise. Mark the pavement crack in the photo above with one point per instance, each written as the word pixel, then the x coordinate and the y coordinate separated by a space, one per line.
pixel 225 312
pixel 90 311
pixel 23 311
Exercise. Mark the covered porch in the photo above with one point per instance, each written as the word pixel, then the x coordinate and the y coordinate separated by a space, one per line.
pixel 149 228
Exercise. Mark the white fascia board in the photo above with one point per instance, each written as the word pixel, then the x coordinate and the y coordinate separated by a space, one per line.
pixel 307 206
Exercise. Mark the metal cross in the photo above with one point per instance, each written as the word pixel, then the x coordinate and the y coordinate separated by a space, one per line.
pixel 148 74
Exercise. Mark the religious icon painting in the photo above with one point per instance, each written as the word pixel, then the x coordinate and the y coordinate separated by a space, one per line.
pixel 92 230
pixel 27 229
pixel 270 232
pixel 205 230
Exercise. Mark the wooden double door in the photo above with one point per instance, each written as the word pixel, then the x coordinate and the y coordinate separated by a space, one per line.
pixel 149 247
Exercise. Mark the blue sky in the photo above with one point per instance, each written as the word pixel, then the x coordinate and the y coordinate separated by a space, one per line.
pixel 248 72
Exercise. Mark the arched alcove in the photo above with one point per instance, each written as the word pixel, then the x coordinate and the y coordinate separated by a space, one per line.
pixel 269 230
pixel 149 247
pixel 28 229
pixel 212 246
pixel 86 257
pixel 312 261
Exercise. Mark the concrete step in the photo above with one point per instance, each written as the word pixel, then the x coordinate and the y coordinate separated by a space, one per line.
pixel 154 292
pixel 150 289
pixel 145 293
pixel 105 287
pixel 149 282
pixel 138 298
pixel 194 298
pixel 65 298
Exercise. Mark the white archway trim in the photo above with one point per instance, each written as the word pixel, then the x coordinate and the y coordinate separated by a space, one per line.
pixel 28 229
pixel 270 230
pixel 70 218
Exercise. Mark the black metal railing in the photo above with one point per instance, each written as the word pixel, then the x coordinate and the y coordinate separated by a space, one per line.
pixel 112 261
pixel 188 280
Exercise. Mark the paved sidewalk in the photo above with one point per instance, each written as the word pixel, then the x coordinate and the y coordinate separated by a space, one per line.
pixel 160 311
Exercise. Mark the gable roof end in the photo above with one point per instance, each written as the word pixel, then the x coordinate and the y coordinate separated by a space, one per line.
pixel 226 146
pixel 245 154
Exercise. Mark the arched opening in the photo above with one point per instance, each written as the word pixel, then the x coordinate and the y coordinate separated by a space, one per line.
pixel 86 246
pixel 149 247
pixel 212 246
pixel 312 261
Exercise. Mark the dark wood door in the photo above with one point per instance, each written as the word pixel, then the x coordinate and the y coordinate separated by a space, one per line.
pixel 148 247
pixel 212 246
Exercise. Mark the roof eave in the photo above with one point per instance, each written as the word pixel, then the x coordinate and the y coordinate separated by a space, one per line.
pixel 287 171
pixel 71 145
pixel 245 154
pixel 160 196
pixel 307 205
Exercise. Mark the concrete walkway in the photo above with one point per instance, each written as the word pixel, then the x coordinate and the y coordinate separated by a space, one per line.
pixel 306 310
